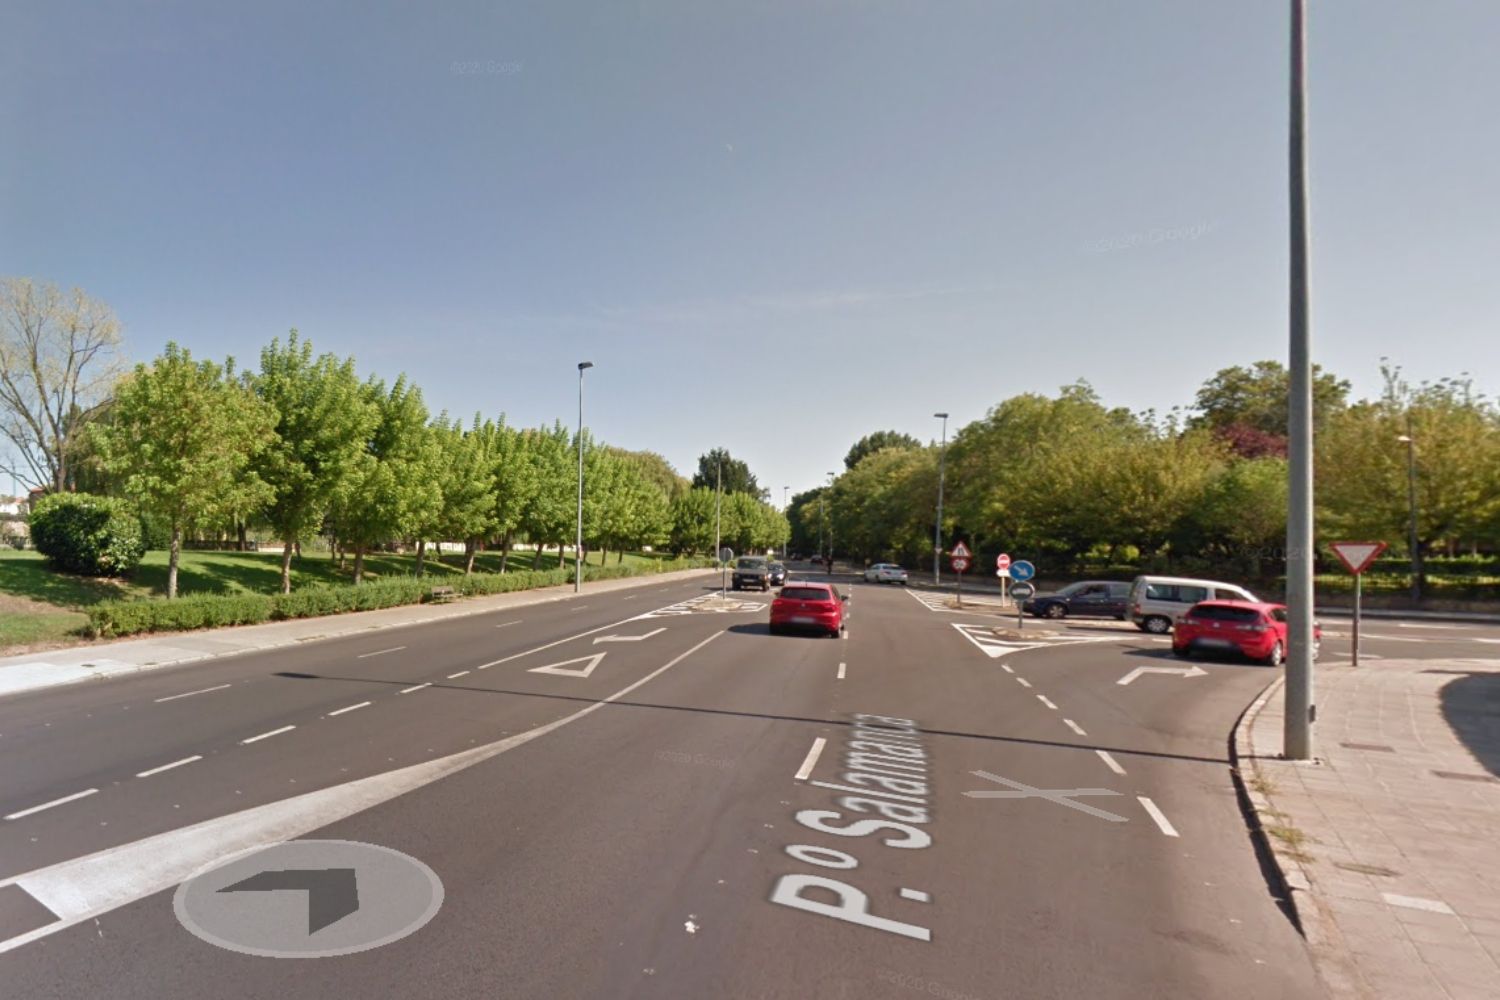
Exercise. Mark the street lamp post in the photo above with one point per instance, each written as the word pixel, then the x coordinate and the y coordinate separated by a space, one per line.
pixel 786 509
pixel 578 538
pixel 1411 507
pixel 718 494
pixel 937 528
pixel 830 525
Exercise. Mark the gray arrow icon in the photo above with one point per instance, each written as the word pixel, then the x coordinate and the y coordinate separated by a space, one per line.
pixel 332 893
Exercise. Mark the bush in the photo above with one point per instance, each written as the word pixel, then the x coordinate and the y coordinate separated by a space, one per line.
pixel 86 534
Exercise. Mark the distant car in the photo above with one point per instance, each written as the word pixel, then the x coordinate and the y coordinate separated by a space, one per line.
pixel 1084 599
pixel 1156 602
pixel 814 607
pixel 815 559
pixel 885 573
pixel 777 574
pixel 752 571
pixel 1253 629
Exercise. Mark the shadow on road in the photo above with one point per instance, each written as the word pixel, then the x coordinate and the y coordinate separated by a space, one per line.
pixel 1472 707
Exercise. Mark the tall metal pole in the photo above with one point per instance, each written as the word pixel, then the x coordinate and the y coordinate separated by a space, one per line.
pixel 578 539
pixel 937 528
pixel 1297 735
pixel 830 524
pixel 786 509
pixel 1411 508
pixel 718 495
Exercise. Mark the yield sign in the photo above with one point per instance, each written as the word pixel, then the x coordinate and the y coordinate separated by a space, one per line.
pixel 589 663
pixel 1357 556
pixel 960 551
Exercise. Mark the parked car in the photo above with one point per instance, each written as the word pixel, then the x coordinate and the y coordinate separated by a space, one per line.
pixel 816 607
pixel 777 574
pixel 885 573
pixel 1156 602
pixel 1250 628
pixel 752 571
pixel 1084 599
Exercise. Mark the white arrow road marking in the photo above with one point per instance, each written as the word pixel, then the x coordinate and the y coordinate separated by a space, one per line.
pixel 557 668
pixel 1062 796
pixel 1193 671
pixel 629 638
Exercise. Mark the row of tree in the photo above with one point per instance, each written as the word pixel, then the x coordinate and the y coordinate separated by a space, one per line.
pixel 1074 482
pixel 302 446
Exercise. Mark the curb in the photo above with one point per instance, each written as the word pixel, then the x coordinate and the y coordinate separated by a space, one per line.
pixel 1331 958
pixel 129 669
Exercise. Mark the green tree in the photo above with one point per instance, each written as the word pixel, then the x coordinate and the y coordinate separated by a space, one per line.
pixel 878 441
pixel 693 521
pixel 182 437
pixel 549 514
pixel 324 420
pixel 1256 398
pixel 467 477
pixel 737 477
pixel 517 478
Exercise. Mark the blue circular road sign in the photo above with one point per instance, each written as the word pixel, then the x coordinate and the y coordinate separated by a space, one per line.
pixel 1022 570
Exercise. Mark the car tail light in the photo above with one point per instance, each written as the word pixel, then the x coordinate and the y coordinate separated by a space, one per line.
pixel 1257 627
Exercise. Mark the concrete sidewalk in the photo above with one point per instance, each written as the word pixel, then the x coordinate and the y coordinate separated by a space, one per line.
pixel 1389 841
pixel 164 649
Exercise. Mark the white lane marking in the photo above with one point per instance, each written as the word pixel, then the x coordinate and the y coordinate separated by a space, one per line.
pixel 842 666
pixel 380 652
pixel 570 638
pixel 1456 628
pixel 349 708
pixel 811 760
pixel 589 663
pixel 454 677
pixel 630 597
pixel 581 607
pixel 1114 765
pixel 168 767
pixel 189 694
pixel 629 638
pixel 88 887
pixel 509 624
pixel 415 687
pixel 266 736
pixel 1417 903
pixel 1046 701
pixel 916 894
pixel 55 802
pixel 1156 814
pixel 1075 727
pixel 1023 682
pixel 1006 668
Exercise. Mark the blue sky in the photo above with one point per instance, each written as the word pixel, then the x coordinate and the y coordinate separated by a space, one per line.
pixel 772 226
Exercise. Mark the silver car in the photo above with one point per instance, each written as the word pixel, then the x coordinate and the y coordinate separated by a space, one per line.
pixel 885 573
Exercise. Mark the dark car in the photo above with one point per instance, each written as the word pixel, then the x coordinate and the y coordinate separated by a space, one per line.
pixel 778 574
pixel 1084 599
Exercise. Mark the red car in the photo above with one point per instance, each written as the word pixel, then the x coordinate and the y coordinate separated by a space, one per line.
pixel 812 606
pixel 1254 629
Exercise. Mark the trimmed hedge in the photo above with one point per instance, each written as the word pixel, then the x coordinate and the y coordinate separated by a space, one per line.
pixel 120 618
pixel 87 534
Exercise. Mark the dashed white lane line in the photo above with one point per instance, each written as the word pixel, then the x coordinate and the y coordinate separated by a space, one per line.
pixel 841 670
pixel 454 677
pixel 349 708
pixel 415 687
pixel 581 607
pixel 266 736
pixel 55 802
pixel 1023 682
pixel 509 624
pixel 168 767
pixel 1156 814
pixel 1114 765
pixel 630 597
pixel 811 760
pixel 380 652
pixel 1046 701
pixel 189 694
pixel 1075 727
pixel 1006 668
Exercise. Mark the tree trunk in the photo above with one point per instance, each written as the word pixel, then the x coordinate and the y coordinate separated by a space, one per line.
pixel 437 552
pixel 359 563
pixel 239 527
pixel 421 555
pixel 504 552
pixel 472 547
pixel 299 548
pixel 619 557
pixel 172 559
pixel 286 565
pixel 333 549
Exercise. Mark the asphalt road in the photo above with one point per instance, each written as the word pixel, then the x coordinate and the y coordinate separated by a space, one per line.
pixel 644 794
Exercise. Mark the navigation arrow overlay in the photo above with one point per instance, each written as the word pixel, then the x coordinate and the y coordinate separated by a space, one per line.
pixel 332 893
pixel 1194 671
pixel 589 663
pixel 628 638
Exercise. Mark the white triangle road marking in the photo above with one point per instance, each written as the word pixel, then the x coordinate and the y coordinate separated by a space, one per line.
pixel 557 668
pixel 629 638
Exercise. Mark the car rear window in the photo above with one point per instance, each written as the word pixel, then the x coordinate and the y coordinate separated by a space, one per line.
pixel 1216 612
pixel 806 593
pixel 749 564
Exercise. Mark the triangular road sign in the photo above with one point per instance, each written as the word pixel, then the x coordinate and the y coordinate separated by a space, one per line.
pixel 1357 556
pixel 589 663
pixel 960 551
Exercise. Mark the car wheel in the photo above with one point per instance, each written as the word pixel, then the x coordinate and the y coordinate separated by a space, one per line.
pixel 1056 611
pixel 1277 652
pixel 1186 652
pixel 1157 625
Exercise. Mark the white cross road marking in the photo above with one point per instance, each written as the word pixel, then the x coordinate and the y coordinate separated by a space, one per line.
pixel 1062 796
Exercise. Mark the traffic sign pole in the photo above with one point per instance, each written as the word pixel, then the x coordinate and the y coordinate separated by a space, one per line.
pixel 1357 557
pixel 1354 638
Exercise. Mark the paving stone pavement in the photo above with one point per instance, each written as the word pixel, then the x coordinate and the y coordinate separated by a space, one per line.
pixel 1390 841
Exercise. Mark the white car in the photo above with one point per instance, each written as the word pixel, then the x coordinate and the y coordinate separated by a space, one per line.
pixel 885 573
